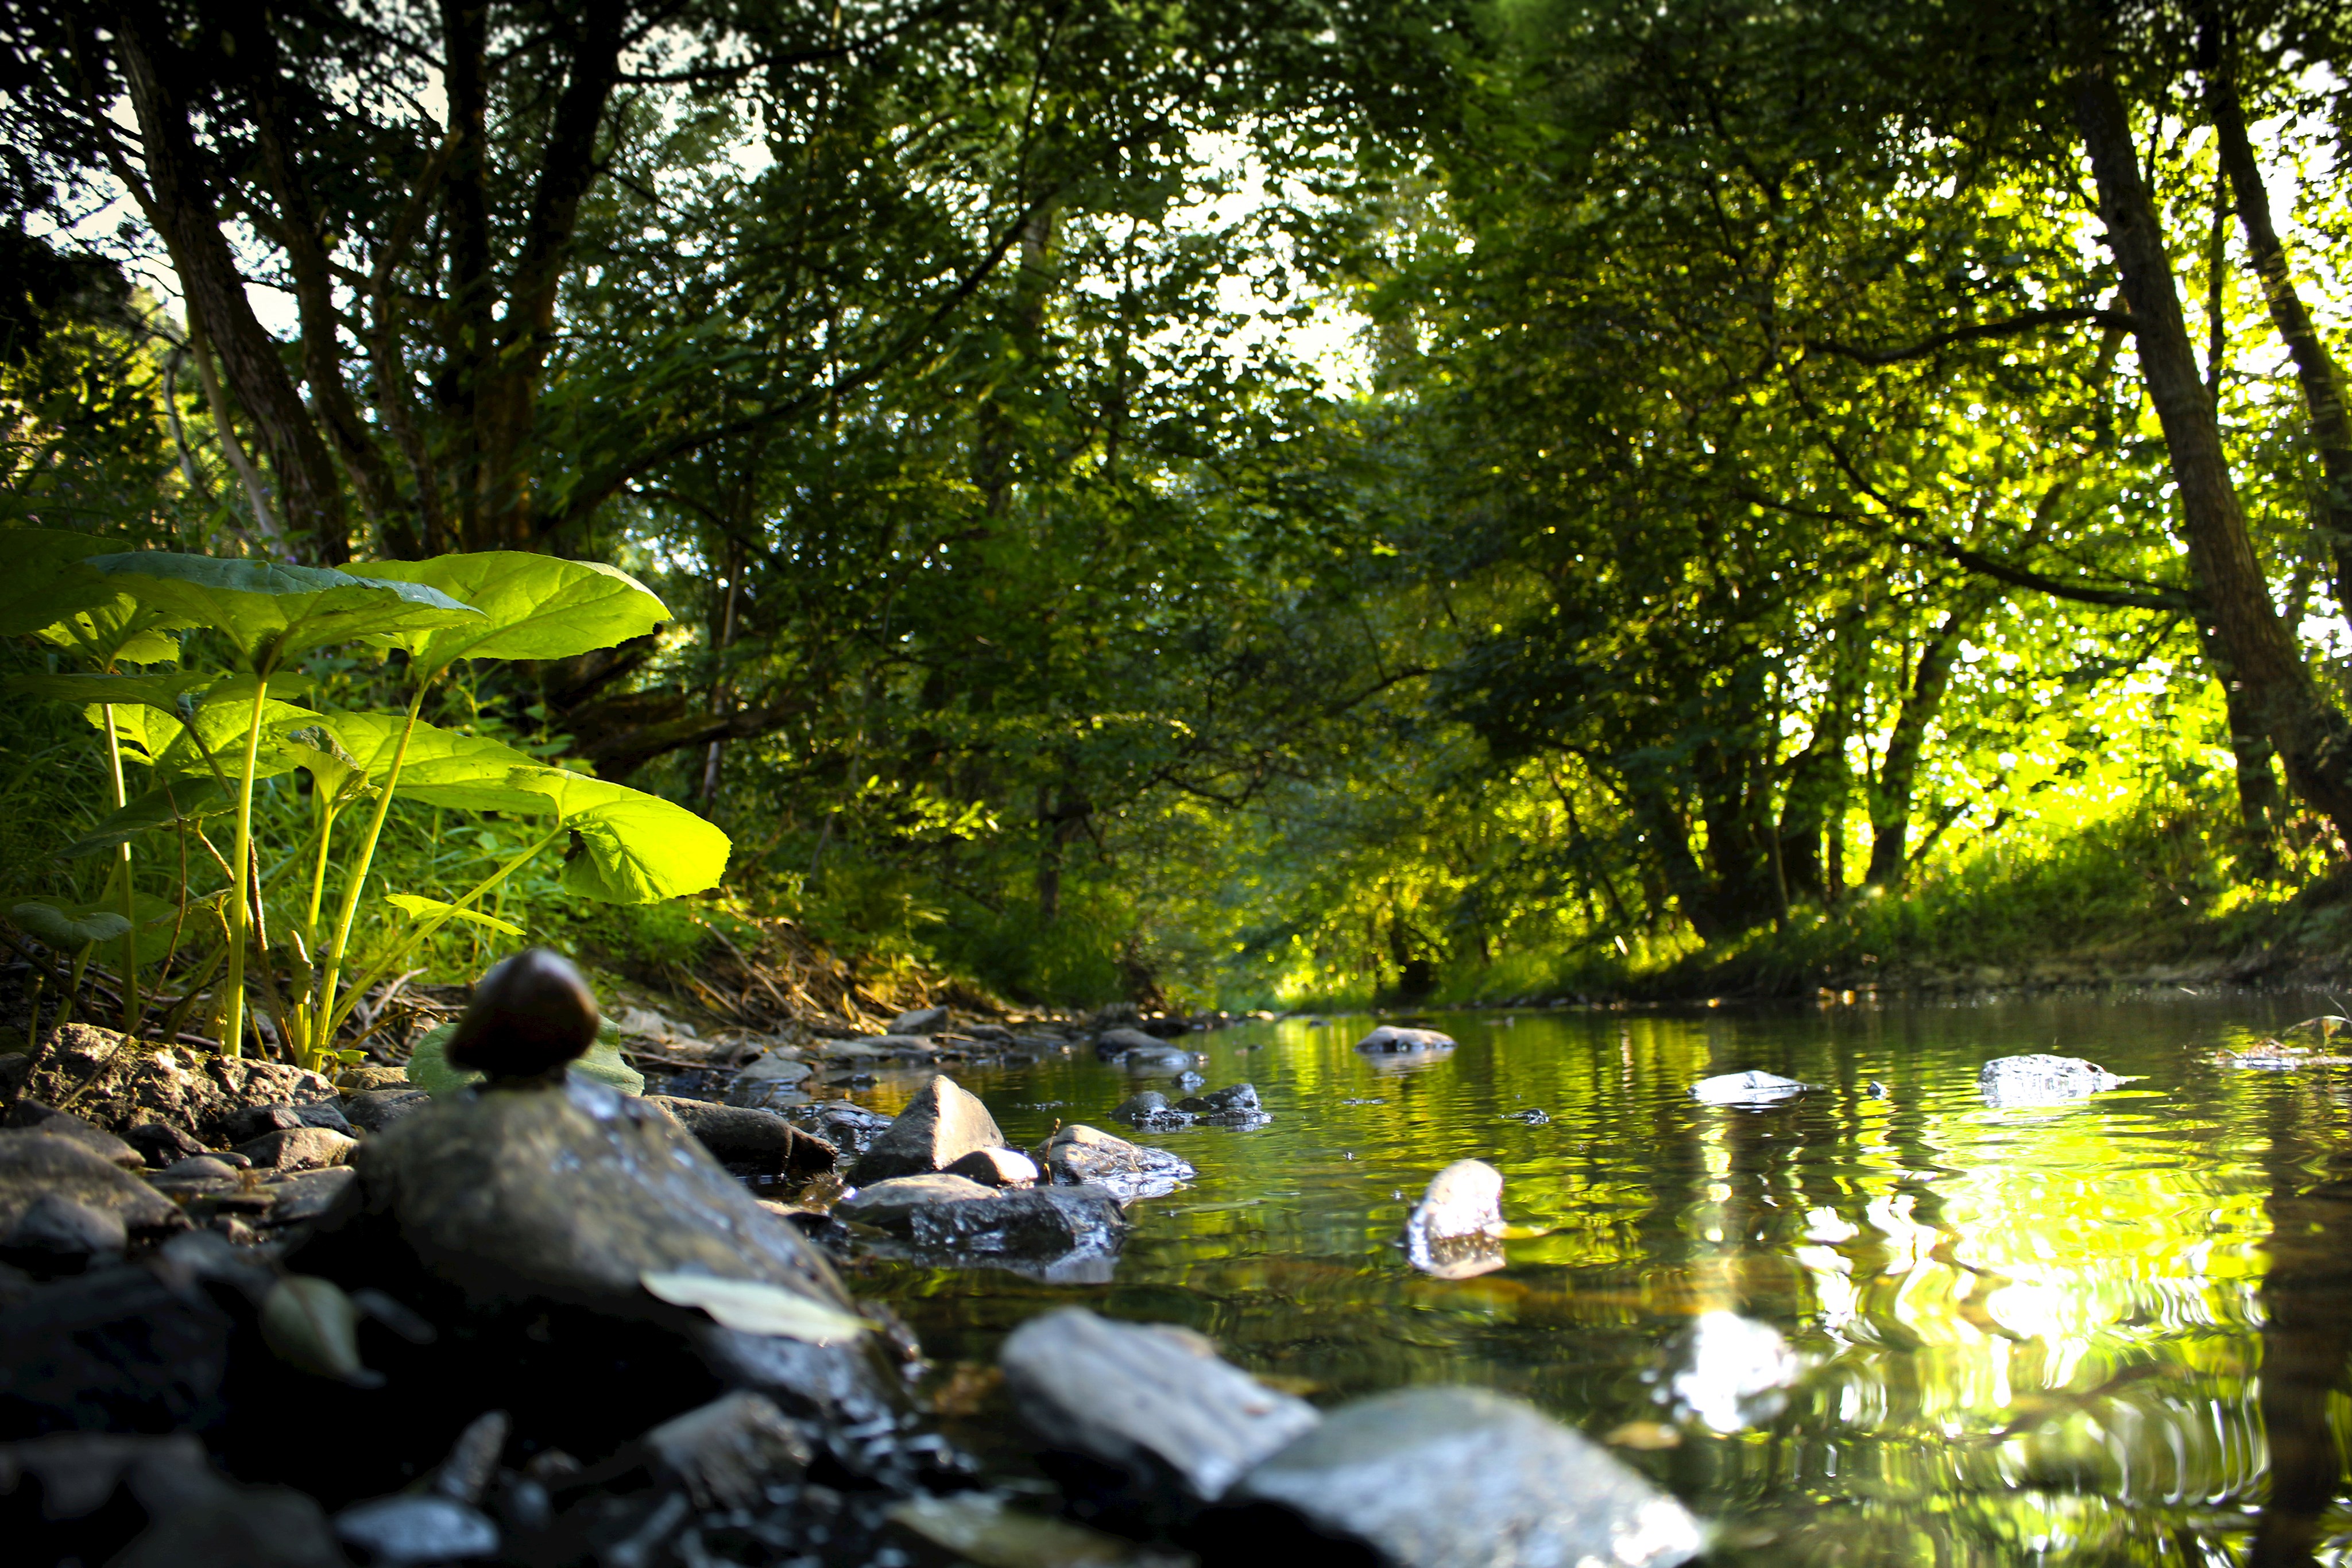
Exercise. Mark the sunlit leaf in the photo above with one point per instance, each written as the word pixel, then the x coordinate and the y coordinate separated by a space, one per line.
pixel 156 691
pixel 537 607
pixel 754 1306
pixel 122 631
pixel 420 908
pixel 636 848
pixel 444 767
pixel 334 772
pixel 151 735
pixel 270 613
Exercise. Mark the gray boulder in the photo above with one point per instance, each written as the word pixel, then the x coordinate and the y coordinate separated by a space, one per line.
pixel 758 1141
pixel 307 1194
pixel 36 1165
pixel 947 1213
pixel 1394 1039
pixel 195 1090
pixel 1080 1154
pixel 1154 1406
pixel 1236 1105
pixel 769 1081
pixel 851 1129
pixel 59 1228
pixel 298 1149
pixel 941 1125
pixel 1157 1058
pixel 919 1020
pixel 571 1191
pixel 1456 1232
pixel 1452 1478
pixel 1750 1088
pixel 2040 1079
pixel 259 1121
pixel 162 1144
pixel 1114 1044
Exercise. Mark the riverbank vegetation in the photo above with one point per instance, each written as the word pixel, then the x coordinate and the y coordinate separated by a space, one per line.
pixel 1244 504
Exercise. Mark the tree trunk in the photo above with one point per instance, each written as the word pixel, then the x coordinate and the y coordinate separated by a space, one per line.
pixel 1898 770
pixel 178 202
pixel 2314 367
pixel 2262 657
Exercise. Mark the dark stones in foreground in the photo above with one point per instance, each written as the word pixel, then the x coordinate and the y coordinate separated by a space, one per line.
pixel 1448 1478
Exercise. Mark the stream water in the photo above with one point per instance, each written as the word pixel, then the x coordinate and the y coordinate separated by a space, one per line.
pixel 2112 1331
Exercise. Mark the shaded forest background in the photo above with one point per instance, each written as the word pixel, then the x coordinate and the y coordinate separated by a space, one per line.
pixel 1223 503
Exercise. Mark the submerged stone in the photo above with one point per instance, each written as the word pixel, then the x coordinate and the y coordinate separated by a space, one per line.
pixel 1390 1039
pixel 1456 1232
pixel 942 1125
pixel 1732 1372
pixel 1150 1110
pixel 1450 1478
pixel 1750 1088
pixel 2043 1080
pixel 1151 1414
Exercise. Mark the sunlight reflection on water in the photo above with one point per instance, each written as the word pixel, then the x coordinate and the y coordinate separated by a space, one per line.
pixel 2107 1332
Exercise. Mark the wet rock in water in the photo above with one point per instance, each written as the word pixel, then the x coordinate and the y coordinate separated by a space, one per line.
pixel 571 1191
pixel 724 1453
pixel 1732 1372
pixel 162 1144
pixel 890 1204
pixel 1532 1116
pixel 849 1128
pixel 1449 1478
pixel 530 1015
pixel 941 1212
pixel 919 1020
pixel 374 1110
pixel 1235 1105
pixel 309 1195
pixel 1158 1058
pixel 1392 1040
pixel 1188 1080
pixel 1750 1088
pixel 417 1527
pixel 1113 1043
pixel 997 1167
pixel 741 1138
pixel 881 1048
pixel 1150 1110
pixel 941 1125
pixel 34 1165
pixel 31 1115
pixel 298 1149
pixel 1140 1420
pixel 2040 1079
pixel 770 1080
pixel 1079 1154
pixel 1456 1232
pixel 192 1090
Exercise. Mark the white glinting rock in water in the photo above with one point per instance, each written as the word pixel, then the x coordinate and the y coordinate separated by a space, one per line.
pixel 939 1126
pixel 1732 1372
pixel 1456 1229
pixel 2043 1080
pixel 1450 1478
pixel 1750 1088
pixel 1390 1038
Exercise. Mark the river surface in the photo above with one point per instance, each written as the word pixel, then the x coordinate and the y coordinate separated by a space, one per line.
pixel 2112 1331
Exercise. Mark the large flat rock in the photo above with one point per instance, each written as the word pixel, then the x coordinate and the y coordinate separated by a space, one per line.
pixel 200 1090
pixel 1154 1408
pixel 1452 1478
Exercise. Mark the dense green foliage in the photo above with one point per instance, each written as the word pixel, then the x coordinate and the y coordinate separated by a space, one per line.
pixel 1761 521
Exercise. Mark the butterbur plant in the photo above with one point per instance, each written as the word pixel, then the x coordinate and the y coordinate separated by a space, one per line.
pixel 206 738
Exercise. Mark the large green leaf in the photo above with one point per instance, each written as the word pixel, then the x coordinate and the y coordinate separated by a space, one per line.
pixel 46 580
pixel 418 907
pixel 271 612
pixel 155 737
pixel 639 848
pixel 154 691
pixel 444 767
pixel 69 926
pixel 180 801
pixel 538 607
pixel 122 629
pixel 429 1070
pixel 336 774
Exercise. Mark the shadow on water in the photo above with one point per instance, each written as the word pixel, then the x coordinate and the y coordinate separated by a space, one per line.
pixel 2109 1331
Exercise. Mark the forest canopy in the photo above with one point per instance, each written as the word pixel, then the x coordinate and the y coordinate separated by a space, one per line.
pixel 1238 502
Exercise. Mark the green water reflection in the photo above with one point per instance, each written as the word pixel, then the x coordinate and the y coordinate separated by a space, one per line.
pixel 2113 1332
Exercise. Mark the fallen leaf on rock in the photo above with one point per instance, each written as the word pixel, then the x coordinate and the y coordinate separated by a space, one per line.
pixel 308 1323
pixel 751 1307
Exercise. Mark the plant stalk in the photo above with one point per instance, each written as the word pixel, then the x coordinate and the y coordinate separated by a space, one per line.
pixel 323 1010
pixel 132 1012
pixel 241 865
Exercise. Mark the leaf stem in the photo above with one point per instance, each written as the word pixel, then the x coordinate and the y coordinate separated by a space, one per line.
pixel 241 861
pixel 323 1008
pixel 132 1012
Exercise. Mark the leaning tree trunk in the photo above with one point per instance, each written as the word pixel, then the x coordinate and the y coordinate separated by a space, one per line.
pixel 2261 655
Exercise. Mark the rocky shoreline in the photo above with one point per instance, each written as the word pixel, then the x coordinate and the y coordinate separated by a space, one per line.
pixel 254 1316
